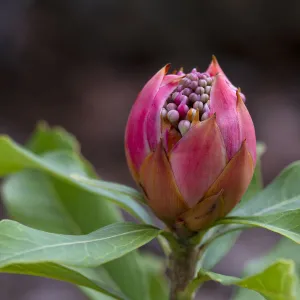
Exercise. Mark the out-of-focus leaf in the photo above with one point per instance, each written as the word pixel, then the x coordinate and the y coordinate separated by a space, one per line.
pixel 46 139
pixel 217 249
pixel 28 192
pixel 60 164
pixel 114 187
pixel 84 212
pixel 95 280
pixel 285 249
pixel 276 282
pixel 156 276
pixel 94 295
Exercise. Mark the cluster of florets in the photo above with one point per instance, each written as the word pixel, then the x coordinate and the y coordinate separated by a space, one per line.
pixel 191 95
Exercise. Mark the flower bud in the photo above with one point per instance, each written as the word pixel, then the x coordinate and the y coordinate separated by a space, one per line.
pixel 190 145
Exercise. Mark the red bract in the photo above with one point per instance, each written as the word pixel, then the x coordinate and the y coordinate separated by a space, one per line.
pixel 190 145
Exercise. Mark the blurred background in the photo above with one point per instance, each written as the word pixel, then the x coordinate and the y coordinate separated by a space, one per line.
pixel 80 64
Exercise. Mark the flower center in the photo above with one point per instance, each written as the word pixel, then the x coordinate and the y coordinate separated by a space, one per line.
pixel 192 94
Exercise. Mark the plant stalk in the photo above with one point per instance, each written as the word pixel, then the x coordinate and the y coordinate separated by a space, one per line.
pixel 183 263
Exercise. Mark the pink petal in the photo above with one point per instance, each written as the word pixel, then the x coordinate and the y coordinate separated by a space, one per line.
pixel 247 131
pixel 214 68
pixel 234 179
pixel 198 159
pixel 153 123
pixel 159 186
pixel 136 145
pixel 223 103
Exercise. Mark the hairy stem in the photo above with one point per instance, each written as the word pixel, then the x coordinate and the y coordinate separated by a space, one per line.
pixel 183 262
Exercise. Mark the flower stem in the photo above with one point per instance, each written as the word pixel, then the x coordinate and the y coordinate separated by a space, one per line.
pixel 183 262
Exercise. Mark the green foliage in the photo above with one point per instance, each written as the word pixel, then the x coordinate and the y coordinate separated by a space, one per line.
pixel 276 208
pixel 217 249
pixel 96 279
pixel 64 166
pixel 21 244
pixel 277 282
pixel 68 227
pixel 25 250
pixel 285 223
pixel 43 195
pixel 157 280
pixel 285 249
pixel 278 196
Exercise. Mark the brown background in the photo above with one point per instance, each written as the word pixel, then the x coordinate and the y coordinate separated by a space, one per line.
pixel 80 64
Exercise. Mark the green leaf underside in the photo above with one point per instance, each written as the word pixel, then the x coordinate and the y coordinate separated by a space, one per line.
pixel 62 210
pixel 285 223
pixel 94 295
pixel 114 187
pixel 276 196
pixel 81 276
pixel 14 158
pixel 84 211
pixel 276 282
pixel 27 192
pixel 21 244
pixel 217 250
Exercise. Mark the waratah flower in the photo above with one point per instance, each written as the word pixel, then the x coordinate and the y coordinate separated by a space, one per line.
pixel 190 145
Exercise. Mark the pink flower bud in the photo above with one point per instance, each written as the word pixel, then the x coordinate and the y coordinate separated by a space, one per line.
pixel 194 156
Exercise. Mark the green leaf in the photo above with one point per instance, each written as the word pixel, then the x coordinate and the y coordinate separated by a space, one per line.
pixel 31 198
pixel 217 249
pixel 285 223
pixel 276 282
pixel 60 164
pixel 45 139
pixel 285 249
pixel 22 244
pixel 155 268
pixel 276 196
pixel 220 246
pixel 83 211
pixel 276 208
pixel 94 295
pixel 58 207
pixel 24 250
pixel 114 187
pixel 93 279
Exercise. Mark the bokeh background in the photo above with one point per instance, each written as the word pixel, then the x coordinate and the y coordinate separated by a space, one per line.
pixel 80 64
